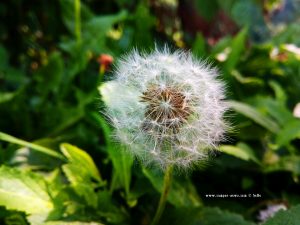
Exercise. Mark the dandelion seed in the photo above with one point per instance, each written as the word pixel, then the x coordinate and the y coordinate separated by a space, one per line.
pixel 166 107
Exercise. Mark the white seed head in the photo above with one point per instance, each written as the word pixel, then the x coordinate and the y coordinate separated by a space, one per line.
pixel 167 108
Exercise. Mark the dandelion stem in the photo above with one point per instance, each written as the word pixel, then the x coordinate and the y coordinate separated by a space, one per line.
pixel 164 195
pixel 77 9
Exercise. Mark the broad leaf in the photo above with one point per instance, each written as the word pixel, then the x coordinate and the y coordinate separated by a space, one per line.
pixel 108 209
pixel 255 115
pixel 288 217
pixel 203 216
pixel 121 160
pixel 25 192
pixel 241 150
pixel 6 96
pixel 71 223
pixel 80 171
pixel 79 157
pixel 290 131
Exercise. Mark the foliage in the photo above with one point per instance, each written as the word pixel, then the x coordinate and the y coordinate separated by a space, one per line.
pixel 59 164
pixel 289 217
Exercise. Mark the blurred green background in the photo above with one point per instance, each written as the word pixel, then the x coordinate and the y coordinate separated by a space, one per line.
pixel 58 162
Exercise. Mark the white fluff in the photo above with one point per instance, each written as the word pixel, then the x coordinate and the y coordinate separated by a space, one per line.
pixel 196 137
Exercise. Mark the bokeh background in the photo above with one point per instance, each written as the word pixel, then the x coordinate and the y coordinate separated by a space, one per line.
pixel 54 55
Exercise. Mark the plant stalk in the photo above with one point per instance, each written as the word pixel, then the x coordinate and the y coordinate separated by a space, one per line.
pixel 77 9
pixel 164 195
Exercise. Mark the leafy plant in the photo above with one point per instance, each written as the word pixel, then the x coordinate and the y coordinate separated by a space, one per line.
pixel 52 67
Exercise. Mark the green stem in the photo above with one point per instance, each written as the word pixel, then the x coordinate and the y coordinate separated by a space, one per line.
pixel 77 9
pixel 164 195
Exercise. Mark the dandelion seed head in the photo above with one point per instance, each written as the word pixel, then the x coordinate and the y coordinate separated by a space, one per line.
pixel 166 107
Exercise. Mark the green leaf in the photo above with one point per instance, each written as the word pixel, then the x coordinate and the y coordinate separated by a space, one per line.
pixel 274 108
pixel 214 216
pixel 246 80
pixel 220 46
pixel 241 150
pixel 122 161
pixel 6 96
pixel 48 151
pixel 237 47
pixel 49 77
pixel 79 157
pixel 207 9
pixel 255 115
pixel 80 171
pixel 95 31
pixel 182 193
pixel 285 163
pixel 246 13
pixel 279 92
pixel 144 22
pixel 68 15
pixel 289 35
pixel 71 223
pixel 108 209
pixel 102 24
pixel 198 47
pixel 25 192
pixel 288 217
pixel 13 218
pixel 226 5
pixel 290 131
pixel 203 216
pixel 74 116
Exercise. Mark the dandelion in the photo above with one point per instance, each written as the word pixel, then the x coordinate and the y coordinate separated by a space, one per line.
pixel 166 107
